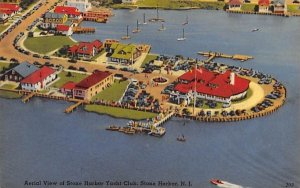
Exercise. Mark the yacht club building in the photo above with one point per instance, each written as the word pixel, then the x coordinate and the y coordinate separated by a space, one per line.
pixel 219 87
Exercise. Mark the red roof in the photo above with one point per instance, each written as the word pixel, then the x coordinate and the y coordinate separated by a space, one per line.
pixel 38 76
pixel 264 2
pixel 8 12
pixel 67 10
pixel 93 79
pixel 62 28
pixel 235 2
pixel 85 47
pixel 218 86
pixel 69 85
pixel 201 74
pixel 9 6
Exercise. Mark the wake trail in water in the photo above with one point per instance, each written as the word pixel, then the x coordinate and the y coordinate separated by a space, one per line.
pixel 230 185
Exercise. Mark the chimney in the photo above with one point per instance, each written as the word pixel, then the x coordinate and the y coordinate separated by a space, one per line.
pixel 232 78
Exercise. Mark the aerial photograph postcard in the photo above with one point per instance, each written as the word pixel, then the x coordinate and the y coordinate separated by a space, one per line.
pixel 149 93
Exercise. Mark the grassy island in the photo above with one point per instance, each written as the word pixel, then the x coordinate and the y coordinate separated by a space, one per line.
pixel 120 112
pixel 177 4
pixel 44 45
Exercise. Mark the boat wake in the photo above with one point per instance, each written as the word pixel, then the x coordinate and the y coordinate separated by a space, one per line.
pixel 230 185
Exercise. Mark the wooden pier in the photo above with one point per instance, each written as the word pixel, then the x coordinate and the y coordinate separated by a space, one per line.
pixel 164 119
pixel 213 55
pixel 84 30
pixel 71 108
pixel 28 97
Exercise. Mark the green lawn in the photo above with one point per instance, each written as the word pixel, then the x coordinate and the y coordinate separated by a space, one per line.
pixel 9 95
pixel 293 8
pixel 173 4
pixel 3 27
pixel 3 65
pixel 113 93
pixel 76 77
pixel 120 112
pixel 248 7
pixel 8 86
pixel 43 45
pixel 149 58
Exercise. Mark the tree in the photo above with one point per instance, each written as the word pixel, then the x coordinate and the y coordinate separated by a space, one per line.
pixel 69 74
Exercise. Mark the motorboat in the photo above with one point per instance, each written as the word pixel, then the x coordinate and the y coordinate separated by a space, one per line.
pixel 112 128
pixel 216 182
pixel 181 138
pixel 253 30
pixel 158 131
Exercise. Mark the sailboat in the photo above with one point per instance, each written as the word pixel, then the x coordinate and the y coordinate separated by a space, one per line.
pixel 182 38
pixel 137 30
pixel 144 17
pixel 186 21
pixel 127 35
pixel 162 28
pixel 157 17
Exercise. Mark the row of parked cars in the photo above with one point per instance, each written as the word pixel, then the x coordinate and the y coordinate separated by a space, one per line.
pixel 261 106
pixel 130 93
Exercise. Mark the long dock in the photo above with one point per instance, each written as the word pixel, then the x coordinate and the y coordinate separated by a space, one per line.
pixel 28 97
pixel 71 108
pixel 84 30
pixel 213 55
pixel 164 119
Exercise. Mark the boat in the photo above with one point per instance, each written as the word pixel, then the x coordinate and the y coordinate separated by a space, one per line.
pixel 158 132
pixel 181 138
pixel 144 18
pixel 137 30
pixel 129 131
pixel 253 30
pixel 157 19
pixel 182 38
pixel 216 182
pixel 162 28
pixel 186 21
pixel 127 35
pixel 112 128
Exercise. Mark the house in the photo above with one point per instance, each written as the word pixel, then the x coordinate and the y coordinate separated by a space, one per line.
pixel 204 84
pixel 3 17
pixel 67 88
pixel 279 8
pixel 129 1
pixel 13 8
pixel 123 53
pixel 39 79
pixel 64 29
pixel 109 42
pixel 92 85
pixel 85 50
pixel 51 20
pixel 263 6
pixel 81 5
pixel 19 72
pixel 72 12
pixel 234 5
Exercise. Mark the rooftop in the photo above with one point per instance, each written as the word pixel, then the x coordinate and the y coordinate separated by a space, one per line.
pixel 93 79
pixel 38 76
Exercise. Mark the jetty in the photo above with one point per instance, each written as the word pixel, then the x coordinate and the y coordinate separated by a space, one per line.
pixel 84 30
pixel 163 119
pixel 71 108
pixel 213 55
pixel 28 97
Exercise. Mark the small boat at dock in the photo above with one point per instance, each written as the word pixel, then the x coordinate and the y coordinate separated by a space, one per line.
pixel 113 128
pixel 158 132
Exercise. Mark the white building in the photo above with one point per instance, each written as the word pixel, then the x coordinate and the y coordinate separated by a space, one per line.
pixel 81 5
pixel 39 79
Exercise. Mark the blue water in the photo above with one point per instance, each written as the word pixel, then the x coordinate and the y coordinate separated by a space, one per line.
pixel 40 142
